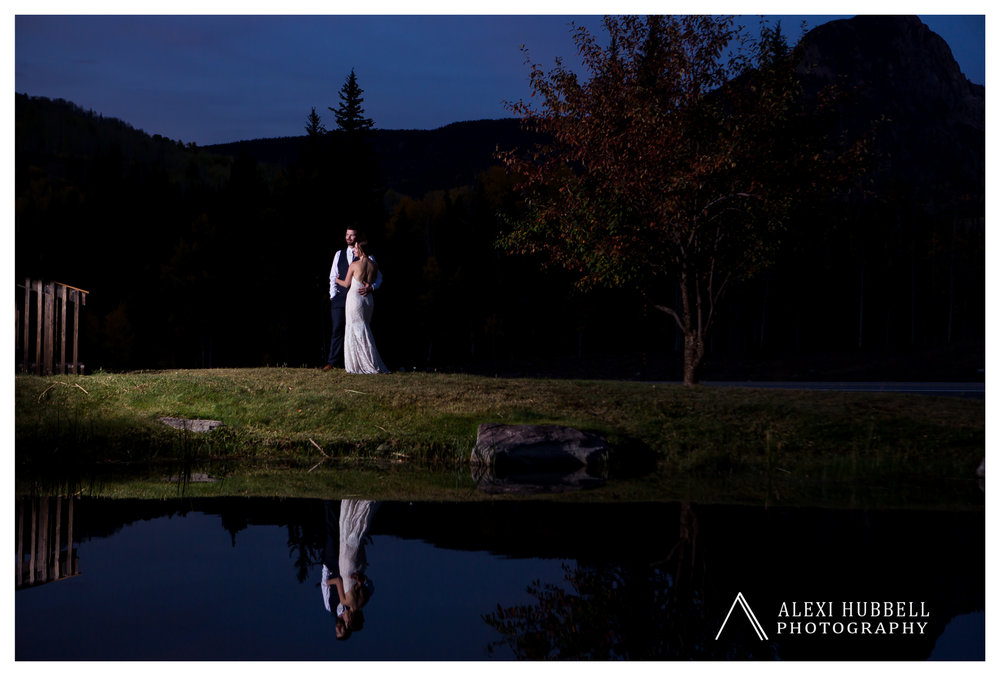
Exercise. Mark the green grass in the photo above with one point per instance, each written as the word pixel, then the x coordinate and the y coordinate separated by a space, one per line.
pixel 409 435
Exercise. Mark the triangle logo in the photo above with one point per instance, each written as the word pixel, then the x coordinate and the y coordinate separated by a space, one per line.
pixel 742 602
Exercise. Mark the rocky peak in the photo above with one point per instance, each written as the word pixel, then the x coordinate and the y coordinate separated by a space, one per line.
pixel 899 78
pixel 897 61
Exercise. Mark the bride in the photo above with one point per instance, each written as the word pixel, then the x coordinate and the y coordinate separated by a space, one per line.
pixel 345 562
pixel 360 354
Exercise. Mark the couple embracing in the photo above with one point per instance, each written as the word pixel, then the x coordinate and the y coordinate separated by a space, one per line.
pixel 354 277
pixel 344 582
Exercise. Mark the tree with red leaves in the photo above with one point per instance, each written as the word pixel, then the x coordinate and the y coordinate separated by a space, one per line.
pixel 669 172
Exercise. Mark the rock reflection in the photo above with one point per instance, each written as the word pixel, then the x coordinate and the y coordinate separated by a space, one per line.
pixel 344 580
pixel 535 483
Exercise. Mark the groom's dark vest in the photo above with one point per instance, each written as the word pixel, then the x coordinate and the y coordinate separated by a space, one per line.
pixel 341 298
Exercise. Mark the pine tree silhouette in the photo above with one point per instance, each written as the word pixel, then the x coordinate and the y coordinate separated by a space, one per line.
pixel 350 115
pixel 314 126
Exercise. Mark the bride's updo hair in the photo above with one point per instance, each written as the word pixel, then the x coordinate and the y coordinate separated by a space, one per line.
pixel 358 596
pixel 359 247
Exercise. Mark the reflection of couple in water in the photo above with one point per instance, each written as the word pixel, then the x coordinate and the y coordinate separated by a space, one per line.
pixel 345 562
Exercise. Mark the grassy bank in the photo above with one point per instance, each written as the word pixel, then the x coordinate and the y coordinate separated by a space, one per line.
pixel 296 431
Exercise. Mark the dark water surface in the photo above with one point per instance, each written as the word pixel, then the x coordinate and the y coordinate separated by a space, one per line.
pixel 239 579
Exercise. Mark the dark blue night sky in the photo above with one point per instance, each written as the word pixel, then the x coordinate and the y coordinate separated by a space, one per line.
pixel 212 79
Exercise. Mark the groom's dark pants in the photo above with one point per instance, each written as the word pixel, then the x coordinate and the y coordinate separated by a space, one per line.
pixel 336 356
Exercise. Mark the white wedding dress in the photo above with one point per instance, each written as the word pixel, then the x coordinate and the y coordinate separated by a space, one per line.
pixel 355 521
pixel 360 354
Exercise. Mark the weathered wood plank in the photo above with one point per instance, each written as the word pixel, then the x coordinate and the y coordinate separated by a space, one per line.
pixel 20 543
pixel 38 330
pixel 76 331
pixel 70 568
pixel 62 331
pixel 50 320
pixel 57 544
pixel 26 320
pixel 41 568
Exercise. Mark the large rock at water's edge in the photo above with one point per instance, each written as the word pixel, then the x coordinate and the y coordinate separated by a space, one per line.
pixel 546 447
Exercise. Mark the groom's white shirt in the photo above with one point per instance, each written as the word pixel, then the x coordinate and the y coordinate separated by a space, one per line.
pixel 334 287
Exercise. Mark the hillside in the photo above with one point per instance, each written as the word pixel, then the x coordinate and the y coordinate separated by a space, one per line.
pixel 411 162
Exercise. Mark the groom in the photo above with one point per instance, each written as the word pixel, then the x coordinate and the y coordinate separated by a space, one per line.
pixel 338 297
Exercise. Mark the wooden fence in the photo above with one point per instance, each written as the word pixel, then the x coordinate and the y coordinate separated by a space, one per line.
pixel 51 330
pixel 45 541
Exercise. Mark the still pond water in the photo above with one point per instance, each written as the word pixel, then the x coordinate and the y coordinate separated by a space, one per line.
pixel 236 579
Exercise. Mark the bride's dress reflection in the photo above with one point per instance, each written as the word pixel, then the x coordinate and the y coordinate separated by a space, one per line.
pixel 345 562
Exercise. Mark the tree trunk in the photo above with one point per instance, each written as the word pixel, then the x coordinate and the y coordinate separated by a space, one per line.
pixel 694 351
pixel 689 322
